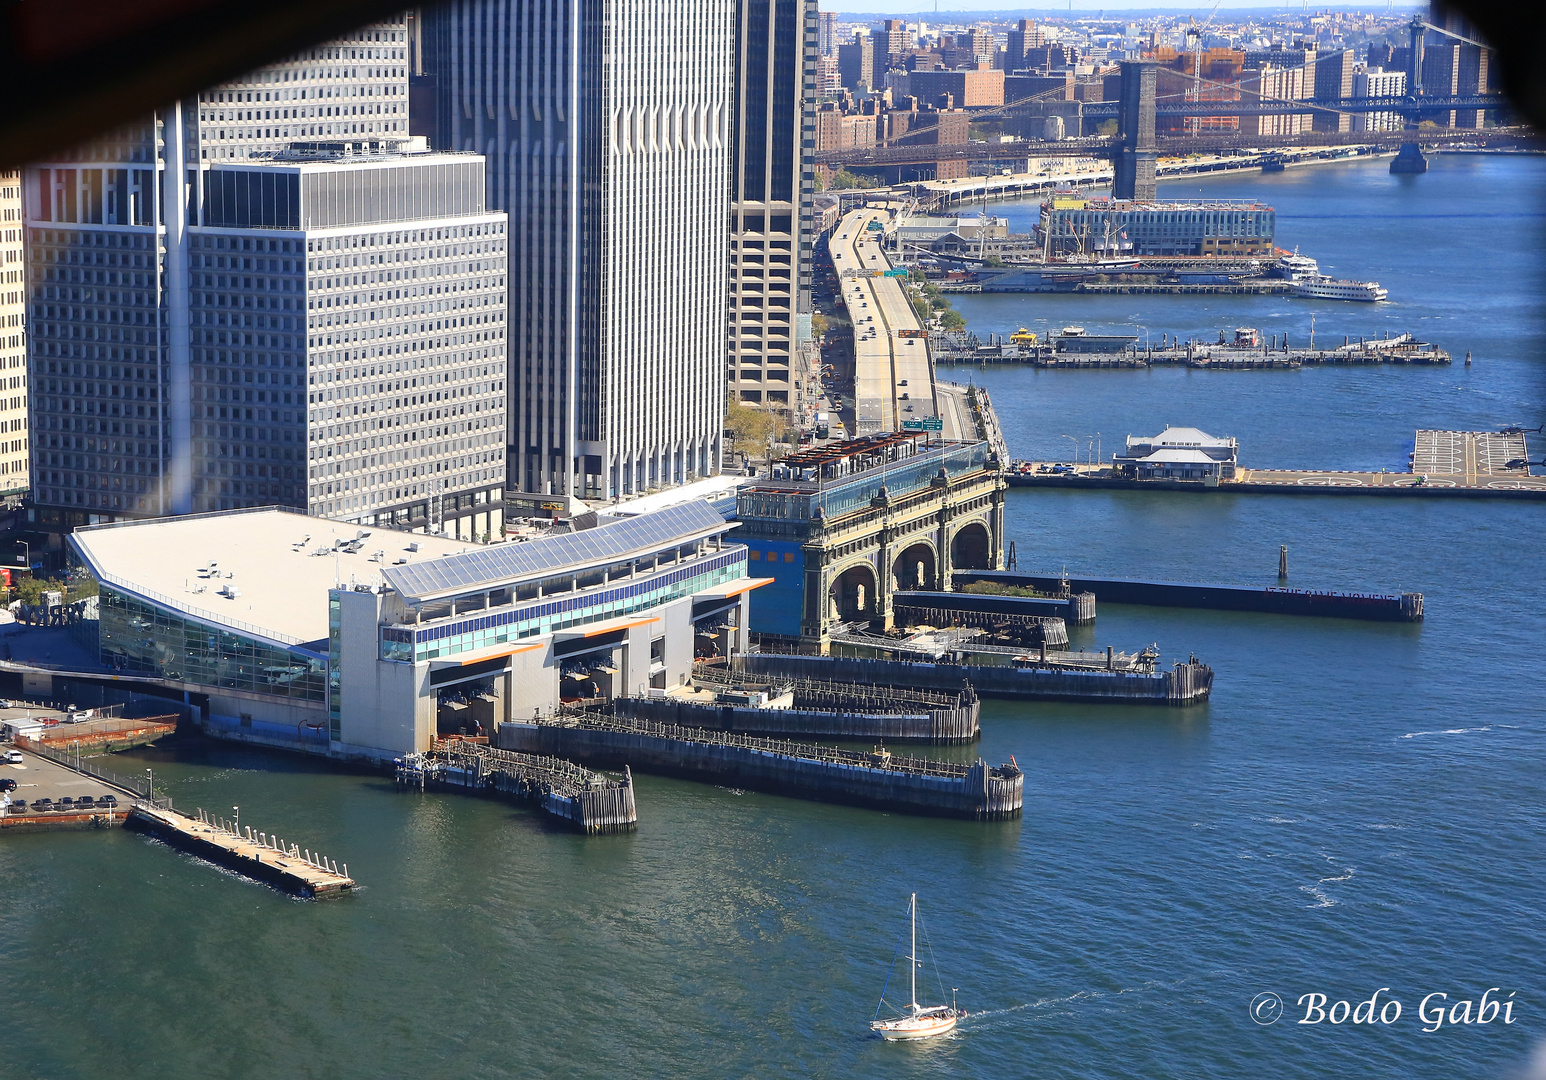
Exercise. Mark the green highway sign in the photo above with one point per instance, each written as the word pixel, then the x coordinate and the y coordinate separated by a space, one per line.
pixel 932 423
pixel 912 425
pixel 896 273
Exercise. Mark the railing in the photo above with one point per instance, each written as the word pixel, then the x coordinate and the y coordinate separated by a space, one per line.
pixel 139 788
pixel 564 777
pixel 737 678
pixel 584 718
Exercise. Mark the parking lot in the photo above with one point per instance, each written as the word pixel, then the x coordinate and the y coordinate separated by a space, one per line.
pixel 37 778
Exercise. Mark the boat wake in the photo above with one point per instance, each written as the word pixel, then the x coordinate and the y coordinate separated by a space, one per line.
pixel 1321 898
pixel 1448 731
pixel 1081 997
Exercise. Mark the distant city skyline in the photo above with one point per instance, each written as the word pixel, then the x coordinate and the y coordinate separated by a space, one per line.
pixel 871 9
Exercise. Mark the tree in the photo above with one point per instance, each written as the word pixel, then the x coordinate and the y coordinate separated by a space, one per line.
pixel 748 424
pixel 951 319
pixel 922 306
pixel 818 325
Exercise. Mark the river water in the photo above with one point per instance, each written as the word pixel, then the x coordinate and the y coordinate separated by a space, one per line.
pixel 1360 805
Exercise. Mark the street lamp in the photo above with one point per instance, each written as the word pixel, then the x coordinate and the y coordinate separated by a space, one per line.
pixel 150 786
pixel 1075 441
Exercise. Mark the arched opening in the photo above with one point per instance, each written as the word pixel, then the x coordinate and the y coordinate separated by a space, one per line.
pixel 970 548
pixel 853 594
pixel 915 569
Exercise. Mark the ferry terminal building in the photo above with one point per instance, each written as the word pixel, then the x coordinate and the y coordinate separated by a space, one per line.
pixel 304 633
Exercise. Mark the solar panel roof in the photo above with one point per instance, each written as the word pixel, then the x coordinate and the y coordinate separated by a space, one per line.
pixel 474 571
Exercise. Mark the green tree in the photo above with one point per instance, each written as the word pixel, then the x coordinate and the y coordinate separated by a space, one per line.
pixel 952 320
pixel 922 306
pixel 749 424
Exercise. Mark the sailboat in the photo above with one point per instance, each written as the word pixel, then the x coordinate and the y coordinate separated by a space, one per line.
pixel 918 1021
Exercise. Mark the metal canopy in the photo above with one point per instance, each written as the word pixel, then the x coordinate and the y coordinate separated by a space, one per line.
pixel 475 571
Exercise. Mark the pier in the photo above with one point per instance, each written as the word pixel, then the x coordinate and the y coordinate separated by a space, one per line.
pixel 1375 607
pixel 1045 608
pixel 958 348
pixel 725 699
pixel 1011 673
pixel 880 779
pixel 274 861
pixel 578 798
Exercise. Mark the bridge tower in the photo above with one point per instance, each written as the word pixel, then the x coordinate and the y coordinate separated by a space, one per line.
pixel 1409 159
pixel 1135 127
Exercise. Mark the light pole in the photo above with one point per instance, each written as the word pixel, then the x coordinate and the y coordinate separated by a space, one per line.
pixel 1075 441
pixel 150 786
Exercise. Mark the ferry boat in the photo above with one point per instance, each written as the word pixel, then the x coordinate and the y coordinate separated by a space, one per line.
pixel 917 1021
pixel 1327 288
pixel 1306 280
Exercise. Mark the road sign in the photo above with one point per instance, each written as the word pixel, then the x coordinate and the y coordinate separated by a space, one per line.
pixel 895 273
pixel 932 423
pixel 912 425
pixel 875 226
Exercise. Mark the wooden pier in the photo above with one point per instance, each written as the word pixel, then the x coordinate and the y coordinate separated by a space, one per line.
pixel 801 770
pixel 1374 607
pixel 582 800
pixel 814 709
pixel 256 855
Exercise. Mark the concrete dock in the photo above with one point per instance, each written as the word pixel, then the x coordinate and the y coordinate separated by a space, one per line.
pixel 256 855
pixel 1373 607
pixel 1520 485
pixel 42 786
pixel 881 780
pixel 583 800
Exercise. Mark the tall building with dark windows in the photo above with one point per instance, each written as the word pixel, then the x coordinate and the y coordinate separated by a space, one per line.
pixel 311 318
pixel 15 439
pixel 607 128
pixel 772 187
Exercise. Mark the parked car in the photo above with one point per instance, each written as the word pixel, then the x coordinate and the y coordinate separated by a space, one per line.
pixel 43 804
pixel 12 757
pixel 7 783
pixel 5 704
pixel 67 803
pixel 18 806
pixel 84 800
pixel 108 800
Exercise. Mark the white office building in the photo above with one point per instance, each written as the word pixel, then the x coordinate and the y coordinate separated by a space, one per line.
pixel 1377 82
pixel 607 132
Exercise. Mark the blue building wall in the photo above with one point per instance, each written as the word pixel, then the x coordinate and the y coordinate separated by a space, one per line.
pixel 776 607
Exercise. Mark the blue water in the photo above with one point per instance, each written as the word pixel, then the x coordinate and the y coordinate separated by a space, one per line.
pixel 1360 805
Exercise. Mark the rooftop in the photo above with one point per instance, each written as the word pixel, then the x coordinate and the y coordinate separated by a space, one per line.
pixel 1181 436
pixel 270 555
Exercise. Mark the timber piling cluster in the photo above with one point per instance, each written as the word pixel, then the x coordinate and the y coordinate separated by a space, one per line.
pixel 583 800
pixel 804 770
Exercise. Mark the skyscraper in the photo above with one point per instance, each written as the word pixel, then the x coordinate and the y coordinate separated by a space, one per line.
pixel 14 435
pixel 772 187
pixel 826 33
pixel 278 328
pixel 607 131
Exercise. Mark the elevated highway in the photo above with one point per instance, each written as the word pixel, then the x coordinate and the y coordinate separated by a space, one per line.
pixel 893 376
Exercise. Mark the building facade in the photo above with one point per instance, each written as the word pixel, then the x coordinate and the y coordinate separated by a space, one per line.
pixel 379 640
pixel 15 435
pixel 773 181
pixel 1376 82
pixel 1179 454
pixel 1076 225
pixel 607 128
pixel 112 364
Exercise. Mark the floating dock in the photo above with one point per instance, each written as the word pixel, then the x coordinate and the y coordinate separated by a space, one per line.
pixel 1375 607
pixel 1047 610
pixel 1087 678
pixel 814 709
pixel 881 780
pixel 580 799
pixel 256 855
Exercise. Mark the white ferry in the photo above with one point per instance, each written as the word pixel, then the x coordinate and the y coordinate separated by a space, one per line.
pixel 1326 288
pixel 1306 280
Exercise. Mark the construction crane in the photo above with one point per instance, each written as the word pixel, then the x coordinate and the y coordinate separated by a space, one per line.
pixel 1194 31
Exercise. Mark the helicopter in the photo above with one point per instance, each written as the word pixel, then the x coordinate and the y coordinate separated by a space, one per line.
pixel 1521 463
pixel 1515 429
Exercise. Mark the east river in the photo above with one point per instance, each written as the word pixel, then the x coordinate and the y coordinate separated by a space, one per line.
pixel 1359 807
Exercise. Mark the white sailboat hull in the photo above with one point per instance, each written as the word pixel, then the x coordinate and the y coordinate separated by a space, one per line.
pixel 919 1027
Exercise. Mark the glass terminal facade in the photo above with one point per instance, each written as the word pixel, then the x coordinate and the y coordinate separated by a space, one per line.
pixel 138 636
pixel 455 636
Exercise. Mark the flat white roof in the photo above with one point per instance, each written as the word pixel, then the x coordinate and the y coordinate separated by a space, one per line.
pixel 283 588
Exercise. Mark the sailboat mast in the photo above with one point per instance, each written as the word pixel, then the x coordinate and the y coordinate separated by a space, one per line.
pixel 913 959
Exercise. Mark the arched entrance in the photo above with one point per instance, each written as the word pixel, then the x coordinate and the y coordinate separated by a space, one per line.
pixel 970 550
pixel 854 594
pixel 915 569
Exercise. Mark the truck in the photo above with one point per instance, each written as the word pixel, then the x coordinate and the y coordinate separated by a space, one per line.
pixel 823 425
